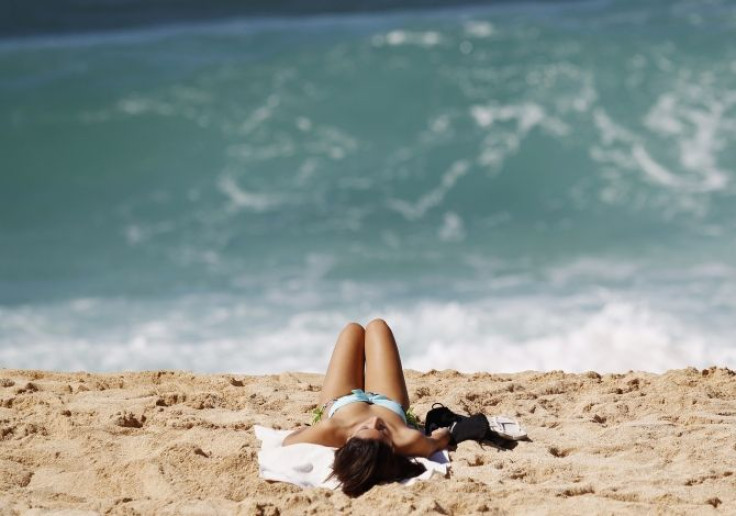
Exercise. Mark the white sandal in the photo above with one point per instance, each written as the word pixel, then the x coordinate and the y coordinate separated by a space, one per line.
pixel 506 427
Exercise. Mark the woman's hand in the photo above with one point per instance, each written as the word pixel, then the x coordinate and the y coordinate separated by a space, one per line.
pixel 442 437
pixel 441 433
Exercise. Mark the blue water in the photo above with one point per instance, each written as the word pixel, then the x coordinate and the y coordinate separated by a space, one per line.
pixel 519 186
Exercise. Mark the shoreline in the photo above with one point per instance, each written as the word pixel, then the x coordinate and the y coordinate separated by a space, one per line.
pixel 174 441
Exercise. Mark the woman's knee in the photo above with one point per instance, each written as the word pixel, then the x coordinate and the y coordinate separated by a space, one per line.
pixel 377 324
pixel 353 327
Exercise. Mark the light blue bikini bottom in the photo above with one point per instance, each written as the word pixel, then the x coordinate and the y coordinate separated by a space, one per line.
pixel 359 395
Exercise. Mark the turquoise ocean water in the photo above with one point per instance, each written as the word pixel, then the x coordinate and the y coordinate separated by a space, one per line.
pixel 511 186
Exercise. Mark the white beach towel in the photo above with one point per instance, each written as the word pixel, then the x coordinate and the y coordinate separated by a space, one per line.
pixel 309 465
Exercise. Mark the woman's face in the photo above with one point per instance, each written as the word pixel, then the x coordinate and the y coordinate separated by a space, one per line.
pixel 373 428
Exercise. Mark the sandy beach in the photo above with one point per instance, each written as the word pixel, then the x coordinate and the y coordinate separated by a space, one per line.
pixel 170 442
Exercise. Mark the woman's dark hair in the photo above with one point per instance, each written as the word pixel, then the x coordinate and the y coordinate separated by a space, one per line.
pixel 363 463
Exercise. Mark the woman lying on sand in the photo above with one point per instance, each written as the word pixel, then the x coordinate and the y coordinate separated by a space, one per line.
pixel 365 400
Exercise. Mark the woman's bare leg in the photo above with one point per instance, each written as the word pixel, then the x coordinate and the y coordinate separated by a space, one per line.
pixel 345 371
pixel 383 372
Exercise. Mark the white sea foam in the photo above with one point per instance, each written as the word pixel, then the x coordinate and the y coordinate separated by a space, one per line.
pixel 610 131
pixel 243 199
pixel 434 197
pixel 259 115
pixel 693 117
pixel 698 132
pixel 501 140
pixel 619 337
pixel 401 37
pixel 678 152
pixel 654 171
pixel 138 106
pixel 137 233
pixel 294 325
pixel 527 115
pixel 452 229
pixel 188 335
pixel 479 29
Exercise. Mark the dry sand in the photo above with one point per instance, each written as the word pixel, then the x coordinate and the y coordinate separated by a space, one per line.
pixel 179 443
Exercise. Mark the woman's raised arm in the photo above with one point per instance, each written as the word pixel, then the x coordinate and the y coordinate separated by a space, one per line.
pixel 420 445
pixel 322 433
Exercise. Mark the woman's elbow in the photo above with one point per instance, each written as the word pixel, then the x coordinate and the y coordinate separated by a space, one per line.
pixel 293 437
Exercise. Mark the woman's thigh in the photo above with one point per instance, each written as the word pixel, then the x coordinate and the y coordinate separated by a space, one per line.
pixel 345 371
pixel 383 372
